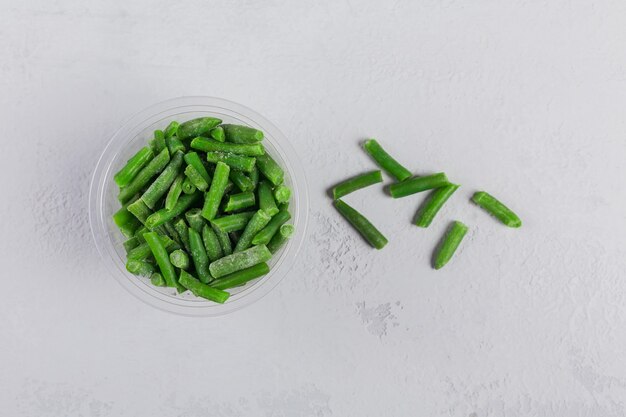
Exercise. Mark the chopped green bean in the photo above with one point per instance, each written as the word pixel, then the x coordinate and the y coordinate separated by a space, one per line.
pixel 240 201
pixel 233 222
pixel 174 192
pixel 211 145
pixel 265 235
pixel 216 192
pixel 239 260
pixel 199 256
pixel 188 187
pixel 163 260
pixel 418 184
pixel 180 259
pixel 126 222
pixel 139 234
pixel 239 278
pixel 282 193
pixel 266 198
pixel 241 181
pixel 195 178
pixel 163 215
pixel 175 145
pixel 217 133
pixel 211 243
pixel 202 290
pixel 259 220
pixel 171 232
pixel 385 161
pixel 195 219
pixel 242 134
pixel 131 243
pixel 238 162
pixel 197 127
pixel 183 232
pixel 143 251
pixel 139 209
pixel 361 224
pixel 496 209
pixel 279 239
pixel 140 268
pixel 157 280
pixel 225 243
pixel 270 169
pixel 433 204
pixel 194 160
pixel 133 166
pixel 449 243
pixel 171 129
pixel 159 140
pixel 162 183
pixel 154 167
pixel 254 176
pixel 356 183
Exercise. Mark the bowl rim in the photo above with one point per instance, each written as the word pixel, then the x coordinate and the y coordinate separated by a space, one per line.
pixel 126 134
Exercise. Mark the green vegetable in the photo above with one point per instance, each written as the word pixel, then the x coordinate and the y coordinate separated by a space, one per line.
pixel 433 204
pixel 279 239
pixel 385 161
pixel 242 134
pixel 171 129
pixel 174 192
pixel 211 243
pixel 202 290
pixel 282 193
pixel 133 166
pixel 143 251
pixel 217 133
pixel 140 268
pixel 254 176
pixel 130 244
pixel 496 209
pixel 265 235
pixel 195 219
pixel 211 145
pixel 163 260
pixel 179 259
pixel 159 140
pixel 195 178
pixel 259 220
pixel 240 201
pixel 239 260
pixel 356 183
pixel 270 169
pixel 126 222
pixel 197 127
pixel 266 198
pixel 139 209
pixel 159 217
pixel 199 256
pixel 188 187
pixel 194 160
pixel 418 184
pixel 238 162
pixel 183 232
pixel 154 167
pixel 361 224
pixel 175 145
pixel 242 277
pixel 157 280
pixel 242 182
pixel 449 243
pixel 162 183
pixel 216 192
pixel 233 222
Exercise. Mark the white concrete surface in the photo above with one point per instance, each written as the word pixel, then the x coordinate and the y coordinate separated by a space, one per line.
pixel 525 99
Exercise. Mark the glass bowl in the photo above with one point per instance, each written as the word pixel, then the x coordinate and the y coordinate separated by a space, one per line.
pixel 132 136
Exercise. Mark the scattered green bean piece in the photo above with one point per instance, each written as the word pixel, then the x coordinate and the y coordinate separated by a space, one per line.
pixel 194 160
pixel 179 259
pixel 163 260
pixel 385 161
pixel 229 187
pixel 238 162
pixel 162 183
pixel 171 129
pixel 133 166
pixel 240 201
pixel 449 243
pixel 174 192
pixel 140 268
pixel 188 187
pixel 496 209
pixel 239 278
pixel 211 145
pixel 265 235
pixel 143 251
pixel 157 280
pixel 241 181
pixel 199 256
pixel 195 219
pixel 418 184
pixel 195 178
pixel 159 140
pixel 171 232
pixel 266 198
pixel 175 145
pixel 233 222
pixel 270 169
pixel 183 232
pixel 282 194
pixel 163 215
pixel 242 134
pixel 239 260
pixel 139 234
pixel 197 127
pixel 211 243
pixel 433 204
pixel 356 183
pixel 217 133
pixel 254 176
pixel 126 222
pixel 259 220
pixel 216 192
pixel 130 244
pixel 154 167
pixel 279 239
pixel 139 209
pixel 361 224
pixel 202 290
pixel 225 243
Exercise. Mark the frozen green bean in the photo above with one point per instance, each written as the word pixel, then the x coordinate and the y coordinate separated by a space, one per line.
pixel 175 145
pixel 433 204
pixel 385 161
pixel 266 198
pixel 171 129
pixel 211 243
pixel 254 176
pixel 239 260
pixel 282 193
pixel 154 167
pixel 265 235
pixel 163 260
pixel 216 192
pixel 180 259
pixel 143 251
pixel 133 166
pixel 202 290
pixel 217 133
pixel 197 127
pixel 195 178
pixel 174 192
pixel 242 134
pixel 449 244
pixel 494 207
pixel 361 224
pixel 159 140
pixel 238 162
pixel 270 169
pixel 232 222
pixel 239 278
pixel 195 219
pixel 194 160
pixel 259 220
pixel 199 256
pixel 183 233
pixel 163 215
pixel 140 210
pixel 356 183
pixel 188 187
pixel 279 239
pixel 241 181
pixel 211 145
pixel 157 280
pixel 140 268
pixel 239 201
pixel 130 244
pixel 126 222
pixel 418 184
pixel 162 183
pixel 225 243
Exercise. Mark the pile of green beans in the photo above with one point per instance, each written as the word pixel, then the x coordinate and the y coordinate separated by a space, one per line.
pixel 204 208
pixel 405 185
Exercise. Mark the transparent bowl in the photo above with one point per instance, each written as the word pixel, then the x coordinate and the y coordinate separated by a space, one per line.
pixel 132 136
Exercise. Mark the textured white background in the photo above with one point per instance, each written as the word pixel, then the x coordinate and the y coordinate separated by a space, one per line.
pixel 522 98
